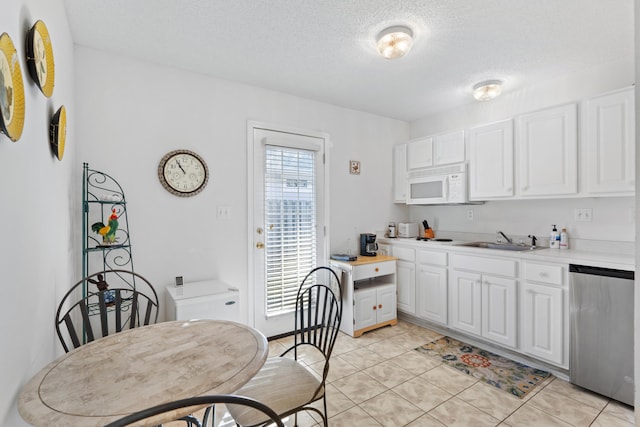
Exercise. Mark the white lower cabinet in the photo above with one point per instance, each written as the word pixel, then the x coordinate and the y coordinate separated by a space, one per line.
pixel 368 293
pixel 406 273
pixel 374 305
pixel 431 293
pixel 543 312
pixel 466 293
pixel 499 314
pixel 406 278
pixel 481 303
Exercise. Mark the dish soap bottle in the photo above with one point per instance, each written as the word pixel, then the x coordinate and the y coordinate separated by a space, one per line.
pixel 554 238
pixel 564 239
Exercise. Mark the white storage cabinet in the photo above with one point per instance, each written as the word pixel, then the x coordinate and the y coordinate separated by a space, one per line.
pixel 547 152
pixel 406 278
pixel 544 312
pixel 484 296
pixel 431 286
pixel 368 293
pixel 491 161
pixel 609 144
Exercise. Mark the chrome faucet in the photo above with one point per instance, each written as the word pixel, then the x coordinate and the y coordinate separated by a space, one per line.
pixel 505 237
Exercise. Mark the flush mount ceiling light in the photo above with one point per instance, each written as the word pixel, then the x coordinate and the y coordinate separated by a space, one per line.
pixel 395 42
pixel 486 90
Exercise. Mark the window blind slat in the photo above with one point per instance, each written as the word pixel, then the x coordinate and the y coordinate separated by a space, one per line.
pixel 290 223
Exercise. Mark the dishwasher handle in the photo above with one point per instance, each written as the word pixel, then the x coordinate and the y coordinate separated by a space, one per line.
pixel 601 271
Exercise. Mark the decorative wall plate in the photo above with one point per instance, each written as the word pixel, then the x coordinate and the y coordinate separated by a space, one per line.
pixel 58 132
pixel 183 173
pixel 40 58
pixel 11 90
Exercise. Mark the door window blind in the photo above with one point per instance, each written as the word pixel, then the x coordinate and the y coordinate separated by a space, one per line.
pixel 290 224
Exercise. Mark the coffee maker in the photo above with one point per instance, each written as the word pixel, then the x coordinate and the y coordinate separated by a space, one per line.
pixel 368 245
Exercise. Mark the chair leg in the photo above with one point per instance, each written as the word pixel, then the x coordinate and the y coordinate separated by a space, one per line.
pixel 191 421
pixel 325 418
pixel 210 411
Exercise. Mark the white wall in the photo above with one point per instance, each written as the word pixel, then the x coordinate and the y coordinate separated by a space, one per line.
pixel 134 112
pixel 612 219
pixel 37 255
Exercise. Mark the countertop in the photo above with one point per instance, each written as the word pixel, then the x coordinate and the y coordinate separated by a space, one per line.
pixel 567 256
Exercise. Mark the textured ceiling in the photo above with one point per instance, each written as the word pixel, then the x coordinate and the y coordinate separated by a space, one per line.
pixel 324 49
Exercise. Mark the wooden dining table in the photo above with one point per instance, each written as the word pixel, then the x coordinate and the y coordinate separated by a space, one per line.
pixel 129 371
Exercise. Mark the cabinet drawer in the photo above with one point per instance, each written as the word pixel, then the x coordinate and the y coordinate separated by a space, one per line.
pixel 405 254
pixel 501 267
pixel 368 271
pixel 433 258
pixel 544 273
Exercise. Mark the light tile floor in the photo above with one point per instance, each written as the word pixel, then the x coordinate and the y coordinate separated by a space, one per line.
pixel 380 380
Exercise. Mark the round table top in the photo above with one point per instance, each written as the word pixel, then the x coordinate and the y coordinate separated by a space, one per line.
pixel 125 372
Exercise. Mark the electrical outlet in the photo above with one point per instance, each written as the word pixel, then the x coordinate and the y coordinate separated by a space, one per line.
pixel 223 212
pixel 470 214
pixel 583 215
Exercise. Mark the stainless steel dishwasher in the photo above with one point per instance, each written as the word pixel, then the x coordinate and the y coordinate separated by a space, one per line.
pixel 601 307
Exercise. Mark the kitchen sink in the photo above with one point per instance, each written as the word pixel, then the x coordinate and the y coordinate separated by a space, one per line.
pixel 501 246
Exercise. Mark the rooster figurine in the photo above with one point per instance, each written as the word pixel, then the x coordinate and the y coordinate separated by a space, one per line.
pixel 108 232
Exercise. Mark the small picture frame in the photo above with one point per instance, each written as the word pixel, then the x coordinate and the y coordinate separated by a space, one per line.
pixel 354 167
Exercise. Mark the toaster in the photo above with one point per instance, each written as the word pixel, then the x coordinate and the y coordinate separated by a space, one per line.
pixel 408 229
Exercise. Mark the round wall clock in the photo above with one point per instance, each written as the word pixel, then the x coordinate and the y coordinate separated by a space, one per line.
pixel 58 132
pixel 183 173
pixel 11 90
pixel 40 58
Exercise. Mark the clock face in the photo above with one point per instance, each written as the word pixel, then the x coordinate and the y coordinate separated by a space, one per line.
pixel 183 173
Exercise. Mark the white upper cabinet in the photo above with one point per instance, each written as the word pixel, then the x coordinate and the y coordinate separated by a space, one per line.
pixel 436 150
pixel 491 161
pixel 400 173
pixel 609 144
pixel 448 148
pixel 547 152
pixel 420 153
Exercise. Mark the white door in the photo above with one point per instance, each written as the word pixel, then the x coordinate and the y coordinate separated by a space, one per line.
pixel 499 300
pixel 610 143
pixel 466 293
pixel 406 282
pixel 365 307
pixel 386 299
pixel 432 293
pixel 491 161
pixel 542 320
pixel 547 145
pixel 287 227
pixel 400 173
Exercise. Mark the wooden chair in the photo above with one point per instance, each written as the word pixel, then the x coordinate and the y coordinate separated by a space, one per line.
pixel 104 303
pixel 167 408
pixel 284 383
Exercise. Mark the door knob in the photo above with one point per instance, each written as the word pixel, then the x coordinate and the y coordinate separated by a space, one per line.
pixel 259 245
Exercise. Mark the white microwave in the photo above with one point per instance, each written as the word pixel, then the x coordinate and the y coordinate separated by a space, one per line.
pixel 439 185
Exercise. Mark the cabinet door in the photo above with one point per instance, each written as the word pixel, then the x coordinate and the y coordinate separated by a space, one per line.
pixel 400 173
pixel 609 154
pixel 448 148
pixel 499 302
pixel 365 307
pixel 406 282
pixel 386 299
pixel 431 291
pixel 465 291
pixel 542 320
pixel 491 161
pixel 420 153
pixel 547 146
